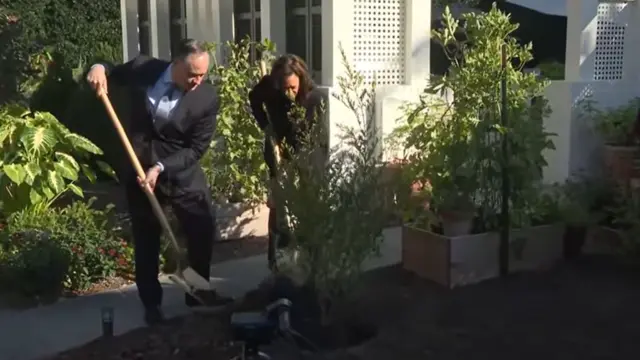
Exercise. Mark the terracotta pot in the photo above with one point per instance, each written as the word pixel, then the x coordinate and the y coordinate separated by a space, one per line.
pixel 619 162
pixel 573 240
pixel 457 223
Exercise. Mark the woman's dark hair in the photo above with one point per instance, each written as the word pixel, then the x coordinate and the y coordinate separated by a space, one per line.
pixel 287 65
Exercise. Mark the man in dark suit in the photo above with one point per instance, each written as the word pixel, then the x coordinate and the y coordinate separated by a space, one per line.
pixel 172 121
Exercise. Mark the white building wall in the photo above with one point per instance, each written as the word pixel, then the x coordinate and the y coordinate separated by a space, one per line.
pixel 601 57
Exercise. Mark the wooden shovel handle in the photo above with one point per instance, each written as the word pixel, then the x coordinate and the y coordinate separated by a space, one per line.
pixel 155 205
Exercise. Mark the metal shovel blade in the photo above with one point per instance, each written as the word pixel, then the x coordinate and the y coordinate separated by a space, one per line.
pixel 195 280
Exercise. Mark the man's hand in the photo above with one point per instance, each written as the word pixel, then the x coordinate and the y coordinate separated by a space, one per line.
pixel 97 79
pixel 151 178
pixel 278 153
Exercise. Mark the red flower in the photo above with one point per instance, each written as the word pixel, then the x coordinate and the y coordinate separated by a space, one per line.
pixel 112 252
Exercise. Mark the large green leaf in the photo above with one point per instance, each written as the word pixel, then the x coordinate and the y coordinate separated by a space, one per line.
pixel 56 181
pixel 81 143
pixel 15 172
pixel 76 190
pixel 66 171
pixel 38 139
pixel 88 172
pixel 106 168
pixel 6 132
pixel 68 159
pixel 34 196
pixel 32 170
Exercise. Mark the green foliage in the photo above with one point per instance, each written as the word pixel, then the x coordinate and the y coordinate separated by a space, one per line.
pixel 79 31
pixel 334 201
pixel 234 162
pixel 41 159
pixel 36 270
pixel 614 124
pixel 454 146
pixel 62 248
pixel 578 199
pixel 552 70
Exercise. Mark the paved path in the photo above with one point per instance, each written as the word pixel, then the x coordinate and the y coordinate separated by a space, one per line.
pixel 44 331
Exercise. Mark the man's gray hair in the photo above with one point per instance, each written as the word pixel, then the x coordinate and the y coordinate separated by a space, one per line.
pixel 188 47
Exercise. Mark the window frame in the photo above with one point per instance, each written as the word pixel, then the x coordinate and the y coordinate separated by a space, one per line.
pixel 308 11
pixel 254 16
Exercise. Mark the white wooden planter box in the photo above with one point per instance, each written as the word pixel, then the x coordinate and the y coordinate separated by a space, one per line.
pixel 468 259
pixel 238 220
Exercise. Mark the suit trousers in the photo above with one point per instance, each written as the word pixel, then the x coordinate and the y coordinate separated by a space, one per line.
pixel 196 216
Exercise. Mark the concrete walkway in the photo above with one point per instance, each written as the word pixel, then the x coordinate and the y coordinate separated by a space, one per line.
pixel 45 331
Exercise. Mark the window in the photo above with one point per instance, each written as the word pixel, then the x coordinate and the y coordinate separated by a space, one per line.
pixel 246 17
pixel 144 28
pixel 304 33
pixel 177 23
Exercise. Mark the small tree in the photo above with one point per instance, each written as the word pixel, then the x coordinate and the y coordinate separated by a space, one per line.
pixel 234 163
pixel 333 199
pixel 456 145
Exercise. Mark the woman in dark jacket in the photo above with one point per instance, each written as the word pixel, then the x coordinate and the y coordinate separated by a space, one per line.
pixel 288 82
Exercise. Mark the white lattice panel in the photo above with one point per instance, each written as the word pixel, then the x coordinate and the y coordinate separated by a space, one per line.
pixel 610 39
pixel 379 40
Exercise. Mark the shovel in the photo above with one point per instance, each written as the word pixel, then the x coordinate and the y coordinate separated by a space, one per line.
pixel 188 279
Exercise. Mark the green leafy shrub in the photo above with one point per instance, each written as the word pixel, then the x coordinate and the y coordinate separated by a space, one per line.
pixel 79 31
pixel 455 146
pixel 41 159
pixel 234 164
pixel 334 201
pixel 78 245
pixel 614 124
pixel 37 269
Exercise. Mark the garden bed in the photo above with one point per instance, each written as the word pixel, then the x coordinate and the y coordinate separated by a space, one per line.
pixel 468 259
pixel 583 310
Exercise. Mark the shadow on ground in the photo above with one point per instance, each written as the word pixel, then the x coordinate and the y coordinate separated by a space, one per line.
pixel 584 310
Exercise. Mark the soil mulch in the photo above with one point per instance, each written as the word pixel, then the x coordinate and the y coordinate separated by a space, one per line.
pixel 584 310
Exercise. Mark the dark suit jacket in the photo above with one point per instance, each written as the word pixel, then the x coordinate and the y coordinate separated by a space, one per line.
pixel 278 106
pixel 179 143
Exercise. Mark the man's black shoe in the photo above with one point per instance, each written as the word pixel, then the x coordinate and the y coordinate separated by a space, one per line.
pixel 153 316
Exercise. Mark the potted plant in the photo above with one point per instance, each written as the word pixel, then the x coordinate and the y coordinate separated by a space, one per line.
pixel 616 126
pixel 234 164
pixel 577 206
pixel 455 146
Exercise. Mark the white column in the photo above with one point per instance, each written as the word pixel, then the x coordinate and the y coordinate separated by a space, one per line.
pixel 631 41
pixel 272 24
pixel 129 20
pixel 418 42
pixel 337 30
pixel 582 18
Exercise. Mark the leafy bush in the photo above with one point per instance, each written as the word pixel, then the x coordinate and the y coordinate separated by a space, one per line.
pixel 76 246
pixel 37 269
pixel 616 125
pixel 79 31
pixel 335 203
pixel 234 163
pixel 41 159
pixel 455 146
